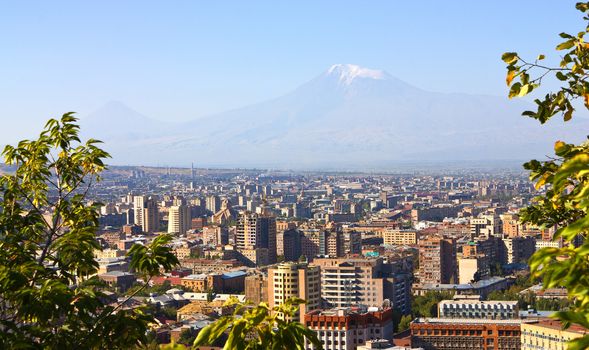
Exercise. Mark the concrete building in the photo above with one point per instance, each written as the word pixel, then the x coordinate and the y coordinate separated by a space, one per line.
pixel 254 233
pixel 352 242
pixel 291 245
pixel 473 268
pixel 146 213
pixel 495 310
pixel 395 236
pixel 331 244
pixel 298 280
pixel 119 280
pixel 481 288
pixel 462 333
pixel 516 249
pixel 351 282
pixel 215 235
pixel 346 329
pixel 213 203
pixel 437 213
pixel 179 219
pixel 548 334
pixel 256 288
pixel 437 260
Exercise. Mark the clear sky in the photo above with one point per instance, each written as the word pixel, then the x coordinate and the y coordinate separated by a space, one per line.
pixel 179 60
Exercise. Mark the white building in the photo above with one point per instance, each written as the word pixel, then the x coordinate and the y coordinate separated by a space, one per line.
pixel 496 310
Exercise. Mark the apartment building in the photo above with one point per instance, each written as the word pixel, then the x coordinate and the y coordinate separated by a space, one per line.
pixel 345 328
pixel 495 310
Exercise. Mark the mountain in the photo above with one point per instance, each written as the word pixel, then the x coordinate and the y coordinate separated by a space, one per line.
pixel 349 117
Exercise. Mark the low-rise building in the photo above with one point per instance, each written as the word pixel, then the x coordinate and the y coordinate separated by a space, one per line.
pixel 496 310
pixel 463 333
pixel 119 280
pixel 548 334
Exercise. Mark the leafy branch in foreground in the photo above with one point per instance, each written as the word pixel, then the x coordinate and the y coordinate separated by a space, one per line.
pixel 260 327
pixel 49 293
pixel 563 180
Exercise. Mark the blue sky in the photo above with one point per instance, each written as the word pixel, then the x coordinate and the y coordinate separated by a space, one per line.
pixel 179 60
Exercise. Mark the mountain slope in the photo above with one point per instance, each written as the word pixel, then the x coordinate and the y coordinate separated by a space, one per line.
pixel 351 116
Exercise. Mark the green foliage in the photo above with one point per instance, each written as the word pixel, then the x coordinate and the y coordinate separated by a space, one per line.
pixel 427 305
pixel 564 180
pixel 49 295
pixel 187 337
pixel 260 328
pixel 405 322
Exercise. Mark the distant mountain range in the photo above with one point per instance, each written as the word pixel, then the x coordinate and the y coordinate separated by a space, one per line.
pixel 347 117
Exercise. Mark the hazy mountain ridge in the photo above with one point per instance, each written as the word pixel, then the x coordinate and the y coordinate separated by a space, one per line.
pixel 346 115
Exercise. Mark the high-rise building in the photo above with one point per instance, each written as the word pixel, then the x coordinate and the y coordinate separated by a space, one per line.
pixel 352 242
pixel 351 282
pixel 213 203
pixel 146 213
pixel 179 219
pixel 331 244
pixel 488 225
pixel 256 288
pixel 516 249
pixel 291 245
pixel 310 243
pixel 298 280
pixel 437 260
pixel 254 232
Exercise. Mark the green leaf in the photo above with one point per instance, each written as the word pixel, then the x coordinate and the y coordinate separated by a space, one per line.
pixel 509 57
pixel 566 45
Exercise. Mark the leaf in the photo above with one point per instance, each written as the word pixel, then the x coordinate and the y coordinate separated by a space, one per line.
pixel 568 114
pixel 510 76
pixel 558 145
pixel 540 57
pixel 527 88
pixel 566 45
pixel 514 91
pixel 509 57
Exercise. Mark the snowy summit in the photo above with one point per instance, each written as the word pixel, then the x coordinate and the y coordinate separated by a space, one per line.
pixel 346 73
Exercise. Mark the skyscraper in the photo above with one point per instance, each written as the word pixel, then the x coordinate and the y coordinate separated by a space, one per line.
pixel 297 280
pixel 146 213
pixel 255 231
pixel 437 260
pixel 179 219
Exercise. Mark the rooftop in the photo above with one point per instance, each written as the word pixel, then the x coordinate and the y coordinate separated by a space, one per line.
pixel 466 321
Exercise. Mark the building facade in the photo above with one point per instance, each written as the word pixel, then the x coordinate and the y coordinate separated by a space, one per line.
pixel 495 310
pixel 345 329
pixel 461 333
pixel 298 280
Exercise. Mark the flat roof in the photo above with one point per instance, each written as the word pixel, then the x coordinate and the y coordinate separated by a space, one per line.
pixel 460 321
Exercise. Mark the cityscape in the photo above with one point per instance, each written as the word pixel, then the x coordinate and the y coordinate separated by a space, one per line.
pixel 363 250
pixel 310 175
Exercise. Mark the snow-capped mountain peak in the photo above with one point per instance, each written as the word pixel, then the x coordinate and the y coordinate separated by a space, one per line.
pixel 346 73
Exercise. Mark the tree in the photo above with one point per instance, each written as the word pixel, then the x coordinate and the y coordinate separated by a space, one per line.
pixel 405 323
pixel 50 296
pixel 187 337
pixel 427 305
pixel 564 179
pixel 260 327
